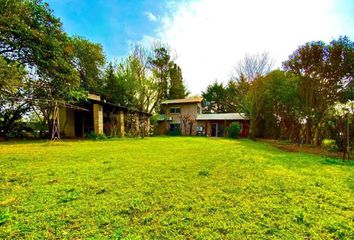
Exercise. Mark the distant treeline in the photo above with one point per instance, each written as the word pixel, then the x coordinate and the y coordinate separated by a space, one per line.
pixel 309 100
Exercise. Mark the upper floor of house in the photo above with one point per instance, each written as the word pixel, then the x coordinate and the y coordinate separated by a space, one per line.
pixel 174 108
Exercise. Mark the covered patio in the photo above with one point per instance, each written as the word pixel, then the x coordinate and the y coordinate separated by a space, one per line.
pixel 101 117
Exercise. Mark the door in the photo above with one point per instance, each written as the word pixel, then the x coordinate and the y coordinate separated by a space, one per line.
pixel 214 129
pixel 221 130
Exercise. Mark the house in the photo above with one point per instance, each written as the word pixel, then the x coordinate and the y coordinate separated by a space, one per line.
pixel 185 116
pixel 101 117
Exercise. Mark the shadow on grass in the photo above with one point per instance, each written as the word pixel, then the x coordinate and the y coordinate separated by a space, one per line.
pixel 333 161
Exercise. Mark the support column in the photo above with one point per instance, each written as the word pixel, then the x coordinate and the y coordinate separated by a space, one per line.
pixel 225 133
pixel 137 123
pixel 148 126
pixel 120 122
pixel 98 118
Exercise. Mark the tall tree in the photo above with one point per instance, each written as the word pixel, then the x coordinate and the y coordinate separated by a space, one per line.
pixel 236 92
pixel 115 89
pixel 177 88
pixel 326 71
pixel 160 65
pixel 140 85
pixel 12 90
pixel 31 36
pixel 89 60
pixel 215 97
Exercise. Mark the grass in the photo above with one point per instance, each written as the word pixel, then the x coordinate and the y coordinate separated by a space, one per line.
pixel 172 188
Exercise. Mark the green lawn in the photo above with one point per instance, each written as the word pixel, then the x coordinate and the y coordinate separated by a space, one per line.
pixel 172 188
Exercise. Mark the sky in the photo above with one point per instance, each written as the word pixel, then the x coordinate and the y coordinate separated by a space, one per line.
pixel 208 37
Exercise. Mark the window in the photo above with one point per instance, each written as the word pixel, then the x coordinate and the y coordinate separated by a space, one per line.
pixel 199 110
pixel 175 110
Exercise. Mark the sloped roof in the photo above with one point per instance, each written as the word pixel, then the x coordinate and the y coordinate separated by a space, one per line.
pixel 183 100
pixel 222 116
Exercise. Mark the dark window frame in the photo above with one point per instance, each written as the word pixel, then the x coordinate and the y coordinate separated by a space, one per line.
pixel 175 110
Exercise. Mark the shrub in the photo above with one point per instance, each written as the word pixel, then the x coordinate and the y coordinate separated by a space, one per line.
pixel 234 130
pixel 95 136
pixel 330 145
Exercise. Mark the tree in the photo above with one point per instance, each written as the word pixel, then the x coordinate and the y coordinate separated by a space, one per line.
pixel 88 61
pixel 326 72
pixel 12 90
pixel 139 84
pixel 11 77
pixel 187 122
pixel 160 65
pixel 32 37
pixel 115 89
pixel 215 96
pixel 236 92
pixel 273 103
pixel 340 118
pixel 177 88
pixel 253 66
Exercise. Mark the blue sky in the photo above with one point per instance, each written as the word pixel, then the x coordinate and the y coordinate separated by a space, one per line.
pixel 113 23
pixel 208 37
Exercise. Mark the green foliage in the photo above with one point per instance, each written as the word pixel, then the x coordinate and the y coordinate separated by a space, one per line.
pixel 12 90
pixel 274 106
pixel 88 60
pixel 168 74
pixel 234 130
pixel 236 92
pixel 215 97
pixel 31 35
pixel 330 145
pixel 132 84
pixel 325 72
pixel 11 77
pixel 32 38
pixel 177 89
pixel 95 136
pixel 160 63
pixel 116 88
pixel 172 188
pixel 229 98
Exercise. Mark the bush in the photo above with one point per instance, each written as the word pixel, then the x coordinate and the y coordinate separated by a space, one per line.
pixel 330 145
pixel 95 136
pixel 234 130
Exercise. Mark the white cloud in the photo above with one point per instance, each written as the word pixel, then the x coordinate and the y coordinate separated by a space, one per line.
pixel 150 16
pixel 211 36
